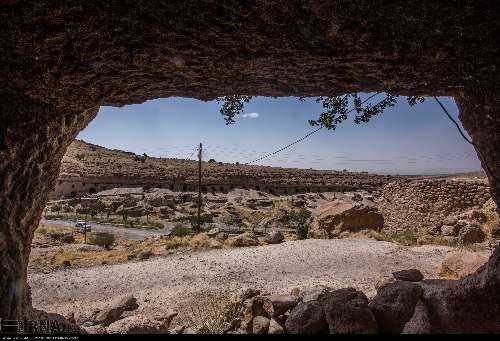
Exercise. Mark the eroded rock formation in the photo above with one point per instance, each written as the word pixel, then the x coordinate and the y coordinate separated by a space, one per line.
pixel 59 62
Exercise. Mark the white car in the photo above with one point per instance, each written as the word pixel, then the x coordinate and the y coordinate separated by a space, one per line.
pixel 83 226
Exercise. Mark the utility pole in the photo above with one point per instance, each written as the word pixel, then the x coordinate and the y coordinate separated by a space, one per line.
pixel 199 187
pixel 85 227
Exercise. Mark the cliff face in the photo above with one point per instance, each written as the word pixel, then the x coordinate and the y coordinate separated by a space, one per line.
pixel 84 160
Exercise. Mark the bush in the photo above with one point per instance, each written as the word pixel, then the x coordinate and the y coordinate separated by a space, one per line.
pixel 298 220
pixel 302 231
pixel 180 230
pixel 42 231
pixel 103 239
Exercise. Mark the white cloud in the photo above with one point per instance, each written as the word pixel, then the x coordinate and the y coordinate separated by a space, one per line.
pixel 250 115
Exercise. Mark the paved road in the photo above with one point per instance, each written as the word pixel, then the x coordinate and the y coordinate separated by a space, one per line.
pixel 127 232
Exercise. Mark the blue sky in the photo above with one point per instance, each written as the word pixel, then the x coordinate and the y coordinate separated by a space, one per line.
pixel 402 140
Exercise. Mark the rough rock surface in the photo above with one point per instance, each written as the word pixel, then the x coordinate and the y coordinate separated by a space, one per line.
pixel 431 203
pixel 275 237
pixel 114 312
pixel 260 325
pixel 244 239
pixel 275 327
pixel 420 322
pixel 138 324
pixel 307 318
pixel 458 264
pixel 394 305
pixel 470 234
pixel 347 312
pixel 344 215
pixel 410 275
pixel 276 305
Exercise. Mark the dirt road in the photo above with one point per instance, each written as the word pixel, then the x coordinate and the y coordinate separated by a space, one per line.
pixel 179 280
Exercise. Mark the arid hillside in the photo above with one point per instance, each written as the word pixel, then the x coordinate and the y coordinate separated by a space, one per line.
pixel 91 161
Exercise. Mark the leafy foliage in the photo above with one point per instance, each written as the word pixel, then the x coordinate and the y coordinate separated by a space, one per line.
pixel 180 230
pixel 298 220
pixel 335 109
pixel 93 212
pixel 232 106
pixel 103 239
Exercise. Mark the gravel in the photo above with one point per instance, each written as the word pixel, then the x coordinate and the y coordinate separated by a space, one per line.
pixel 180 280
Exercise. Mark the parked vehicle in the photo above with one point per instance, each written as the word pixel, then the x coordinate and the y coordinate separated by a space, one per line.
pixel 83 226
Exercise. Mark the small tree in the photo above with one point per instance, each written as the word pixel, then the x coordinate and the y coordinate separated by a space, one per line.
pixel 180 230
pixel 103 239
pixel 93 212
pixel 298 220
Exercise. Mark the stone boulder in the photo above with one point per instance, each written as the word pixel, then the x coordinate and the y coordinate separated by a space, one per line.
pixel 471 234
pixel 338 216
pixel 434 230
pixel 128 303
pixel 276 305
pixel 474 215
pixel 114 311
pixel 450 230
pixel 317 233
pixel 410 275
pixel 60 324
pixel 458 264
pixel 307 318
pixel 394 305
pixel 275 327
pixel 221 236
pixel 244 239
pixel 138 324
pixel 145 254
pixel 420 322
pixel 468 305
pixel 260 325
pixel 275 237
pixel 450 220
pixel 316 293
pixel 134 211
pixel 383 280
pixel 64 237
pixel 213 232
pixel 347 312
pixel 158 198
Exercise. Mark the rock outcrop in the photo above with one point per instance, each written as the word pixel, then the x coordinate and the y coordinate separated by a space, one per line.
pixel 345 215
pixel 459 264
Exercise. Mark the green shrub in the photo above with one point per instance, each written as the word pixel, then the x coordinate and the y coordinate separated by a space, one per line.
pixel 298 220
pixel 42 231
pixel 180 230
pixel 103 239
pixel 302 231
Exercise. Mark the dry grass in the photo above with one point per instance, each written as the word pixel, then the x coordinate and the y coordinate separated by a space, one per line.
pixel 213 314
pixel 54 258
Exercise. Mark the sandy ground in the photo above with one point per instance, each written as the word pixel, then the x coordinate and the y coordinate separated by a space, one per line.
pixel 183 279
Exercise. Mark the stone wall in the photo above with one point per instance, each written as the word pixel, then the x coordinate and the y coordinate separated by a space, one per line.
pixel 68 186
pixel 413 204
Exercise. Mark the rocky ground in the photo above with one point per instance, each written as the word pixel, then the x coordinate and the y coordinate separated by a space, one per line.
pixel 186 281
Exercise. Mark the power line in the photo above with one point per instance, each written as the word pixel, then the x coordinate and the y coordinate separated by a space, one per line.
pixel 476 147
pixel 305 136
